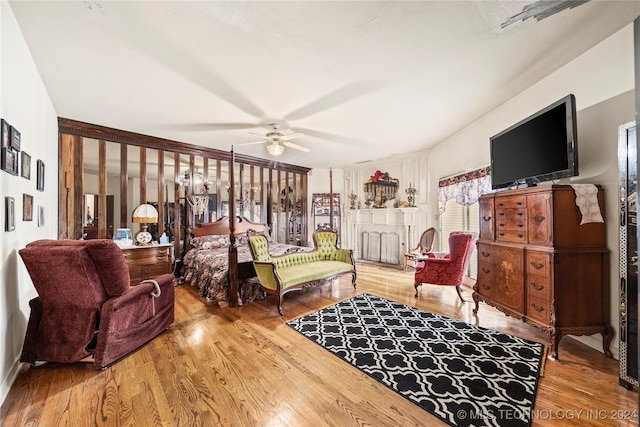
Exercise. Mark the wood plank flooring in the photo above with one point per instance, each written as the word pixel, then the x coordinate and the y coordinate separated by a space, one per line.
pixel 244 367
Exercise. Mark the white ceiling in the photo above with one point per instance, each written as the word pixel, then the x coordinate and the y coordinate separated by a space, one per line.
pixel 361 80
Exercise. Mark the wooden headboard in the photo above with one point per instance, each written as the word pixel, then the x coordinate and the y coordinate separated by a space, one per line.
pixel 221 227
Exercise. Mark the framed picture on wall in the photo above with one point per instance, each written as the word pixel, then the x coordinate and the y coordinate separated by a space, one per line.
pixel 9 161
pixel 5 134
pixel 27 207
pixel 15 138
pixel 40 175
pixel 10 214
pixel 40 216
pixel 25 165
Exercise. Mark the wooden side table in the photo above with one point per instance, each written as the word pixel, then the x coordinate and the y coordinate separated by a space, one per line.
pixel 146 262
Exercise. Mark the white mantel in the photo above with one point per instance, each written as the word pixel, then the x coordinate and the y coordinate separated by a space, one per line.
pixel 402 221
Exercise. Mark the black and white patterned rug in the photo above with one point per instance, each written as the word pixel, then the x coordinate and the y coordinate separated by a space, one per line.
pixel 464 374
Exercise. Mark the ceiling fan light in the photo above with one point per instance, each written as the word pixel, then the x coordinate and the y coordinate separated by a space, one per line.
pixel 275 149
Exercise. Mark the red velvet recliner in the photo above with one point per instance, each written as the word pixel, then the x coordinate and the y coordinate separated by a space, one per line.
pixel 85 305
pixel 448 269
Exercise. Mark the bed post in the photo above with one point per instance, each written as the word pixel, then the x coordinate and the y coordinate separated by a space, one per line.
pixel 233 250
pixel 331 197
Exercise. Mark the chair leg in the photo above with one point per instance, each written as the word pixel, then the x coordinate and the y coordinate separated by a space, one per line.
pixel 460 293
pixel 415 285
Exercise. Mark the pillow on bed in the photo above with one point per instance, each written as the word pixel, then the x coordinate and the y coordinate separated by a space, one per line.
pixel 211 242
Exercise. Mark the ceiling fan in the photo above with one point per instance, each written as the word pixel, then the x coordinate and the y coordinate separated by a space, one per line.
pixel 277 141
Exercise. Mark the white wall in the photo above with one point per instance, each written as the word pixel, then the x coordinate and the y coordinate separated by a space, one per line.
pixel 602 79
pixel 25 104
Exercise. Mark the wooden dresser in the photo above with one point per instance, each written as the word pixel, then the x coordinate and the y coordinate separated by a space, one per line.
pixel 537 263
pixel 146 262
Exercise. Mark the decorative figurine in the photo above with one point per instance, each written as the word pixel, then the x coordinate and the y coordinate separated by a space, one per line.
pixel 410 192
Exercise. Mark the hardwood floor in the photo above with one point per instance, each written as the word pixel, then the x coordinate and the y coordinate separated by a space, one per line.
pixel 244 367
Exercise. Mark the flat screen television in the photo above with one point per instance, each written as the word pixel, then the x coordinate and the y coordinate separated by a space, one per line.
pixel 542 147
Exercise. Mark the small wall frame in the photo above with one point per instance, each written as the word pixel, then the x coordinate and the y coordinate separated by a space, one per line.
pixel 40 176
pixel 10 213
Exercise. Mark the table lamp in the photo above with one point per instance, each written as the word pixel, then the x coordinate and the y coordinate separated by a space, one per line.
pixel 145 214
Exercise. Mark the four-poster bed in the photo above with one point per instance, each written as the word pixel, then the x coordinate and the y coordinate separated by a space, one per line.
pixel 219 260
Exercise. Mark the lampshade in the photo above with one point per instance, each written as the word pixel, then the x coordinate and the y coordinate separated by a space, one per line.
pixel 146 214
pixel 275 149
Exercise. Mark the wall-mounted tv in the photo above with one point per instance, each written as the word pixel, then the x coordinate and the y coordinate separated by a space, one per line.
pixel 542 147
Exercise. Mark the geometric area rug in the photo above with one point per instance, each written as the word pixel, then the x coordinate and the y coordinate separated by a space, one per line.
pixel 464 374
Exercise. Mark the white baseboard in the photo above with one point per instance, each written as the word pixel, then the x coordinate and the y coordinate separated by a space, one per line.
pixel 8 381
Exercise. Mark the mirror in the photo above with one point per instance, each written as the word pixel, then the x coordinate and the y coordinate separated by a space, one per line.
pixel 379 189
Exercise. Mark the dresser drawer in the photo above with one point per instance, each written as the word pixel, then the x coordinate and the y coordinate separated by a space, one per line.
pixel 538 310
pixel 484 253
pixel 485 278
pixel 510 202
pixel 511 225
pixel 513 234
pixel 539 264
pixel 538 287
pixel 147 262
pixel 147 255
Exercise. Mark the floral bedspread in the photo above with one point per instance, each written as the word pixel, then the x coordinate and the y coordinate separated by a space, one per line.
pixel 207 268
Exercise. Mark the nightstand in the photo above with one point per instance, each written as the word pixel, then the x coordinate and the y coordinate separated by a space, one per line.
pixel 146 262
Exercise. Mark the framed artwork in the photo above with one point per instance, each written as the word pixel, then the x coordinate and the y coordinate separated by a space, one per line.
pixel 40 216
pixel 6 134
pixel 25 165
pixel 27 207
pixel 9 160
pixel 10 214
pixel 40 175
pixel 15 138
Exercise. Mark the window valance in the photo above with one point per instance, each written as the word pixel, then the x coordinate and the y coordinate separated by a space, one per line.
pixel 466 188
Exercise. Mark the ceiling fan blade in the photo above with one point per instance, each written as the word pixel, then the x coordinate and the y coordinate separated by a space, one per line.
pixel 296 146
pixel 257 133
pixel 291 136
pixel 331 137
pixel 253 143
pixel 207 127
pixel 333 99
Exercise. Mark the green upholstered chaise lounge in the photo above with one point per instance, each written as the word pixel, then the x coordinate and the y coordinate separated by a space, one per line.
pixel 290 272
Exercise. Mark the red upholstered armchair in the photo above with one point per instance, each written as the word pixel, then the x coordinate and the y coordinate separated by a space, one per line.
pixel 449 269
pixel 85 305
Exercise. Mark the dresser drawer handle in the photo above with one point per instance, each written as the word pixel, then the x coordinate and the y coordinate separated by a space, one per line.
pixel 486 270
pixel 519 214
pixel 519 203
pixel 501 213
pixel 537 266
pixel 536 308
pixel 486 218
pixel 520 225
pixel 537 287
pixel 486 287
pixel 501 224
pixel 538 218
pixel 520 236
pixel 501 234
pixel 485 254
pixel 162 257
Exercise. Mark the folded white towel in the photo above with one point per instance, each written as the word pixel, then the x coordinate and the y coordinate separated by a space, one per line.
pixel 587 201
